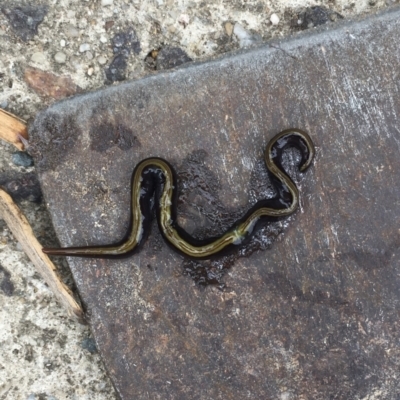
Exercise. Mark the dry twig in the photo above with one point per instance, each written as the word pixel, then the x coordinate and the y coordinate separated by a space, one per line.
pixel 12 129
pixel 22 231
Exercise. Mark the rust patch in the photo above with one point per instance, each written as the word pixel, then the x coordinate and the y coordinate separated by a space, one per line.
pixel 48 84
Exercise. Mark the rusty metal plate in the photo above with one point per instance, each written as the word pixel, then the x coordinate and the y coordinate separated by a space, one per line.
pixel 312 310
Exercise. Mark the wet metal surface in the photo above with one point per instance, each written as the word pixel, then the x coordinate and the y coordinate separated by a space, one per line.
pixel 313 315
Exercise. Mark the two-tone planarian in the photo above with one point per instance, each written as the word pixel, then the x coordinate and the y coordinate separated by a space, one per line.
pixel 155 178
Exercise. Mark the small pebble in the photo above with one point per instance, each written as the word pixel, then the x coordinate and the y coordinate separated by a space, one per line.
pixel 22 159
pixel 84 47
pixel 171 57
pixel 102 60
pixel 90 71
pixel 89 344
pixel 116 70
pixel 274 19
pixel 228 28
pixel 38 57
pixel 184 20
pixel 105 3
pixel 76 63
pixel 82 23
pixel 62 43
pixel 89 55
pixel 245 38
pixel 103 39
pixel 60 57
pixel 71 31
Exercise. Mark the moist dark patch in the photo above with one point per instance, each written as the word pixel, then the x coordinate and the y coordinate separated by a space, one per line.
pixel 200 210
pixel 6 286
pixel 106 135
pixel 21 186
pixel 52 136
pixel 280 283
pixel 378 258
pixel 203 215
pixel 106 131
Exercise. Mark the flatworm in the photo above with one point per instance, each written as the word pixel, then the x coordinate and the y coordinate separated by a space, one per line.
pixel 154 178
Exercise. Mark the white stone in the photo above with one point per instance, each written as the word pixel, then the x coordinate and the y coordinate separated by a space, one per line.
pixel 71 31
pixel 274 19
pixel 83 23
pixel 245 38
pixel 105 3
pixel 184 19
pixel 228 28
pixel 60 57
pixel 84 47
pixel 103 39
pixel 89 55
pixel 38 57
pixel 102 60
pixel 62 43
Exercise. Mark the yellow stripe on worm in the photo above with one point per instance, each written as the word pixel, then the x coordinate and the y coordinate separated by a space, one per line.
pixel 155 177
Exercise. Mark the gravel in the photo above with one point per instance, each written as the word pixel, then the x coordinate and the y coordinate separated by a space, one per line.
pixel 60 57
pixel 44 354
pixel 22 159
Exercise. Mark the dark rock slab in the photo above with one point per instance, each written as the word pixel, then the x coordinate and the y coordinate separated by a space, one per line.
pixel 24 19
pixel 315 16
pixel 314 316
pixel 126 41
pixel 170 57
pixel 123 43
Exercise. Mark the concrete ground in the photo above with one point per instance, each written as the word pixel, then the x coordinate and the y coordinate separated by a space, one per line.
pixel 44 354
